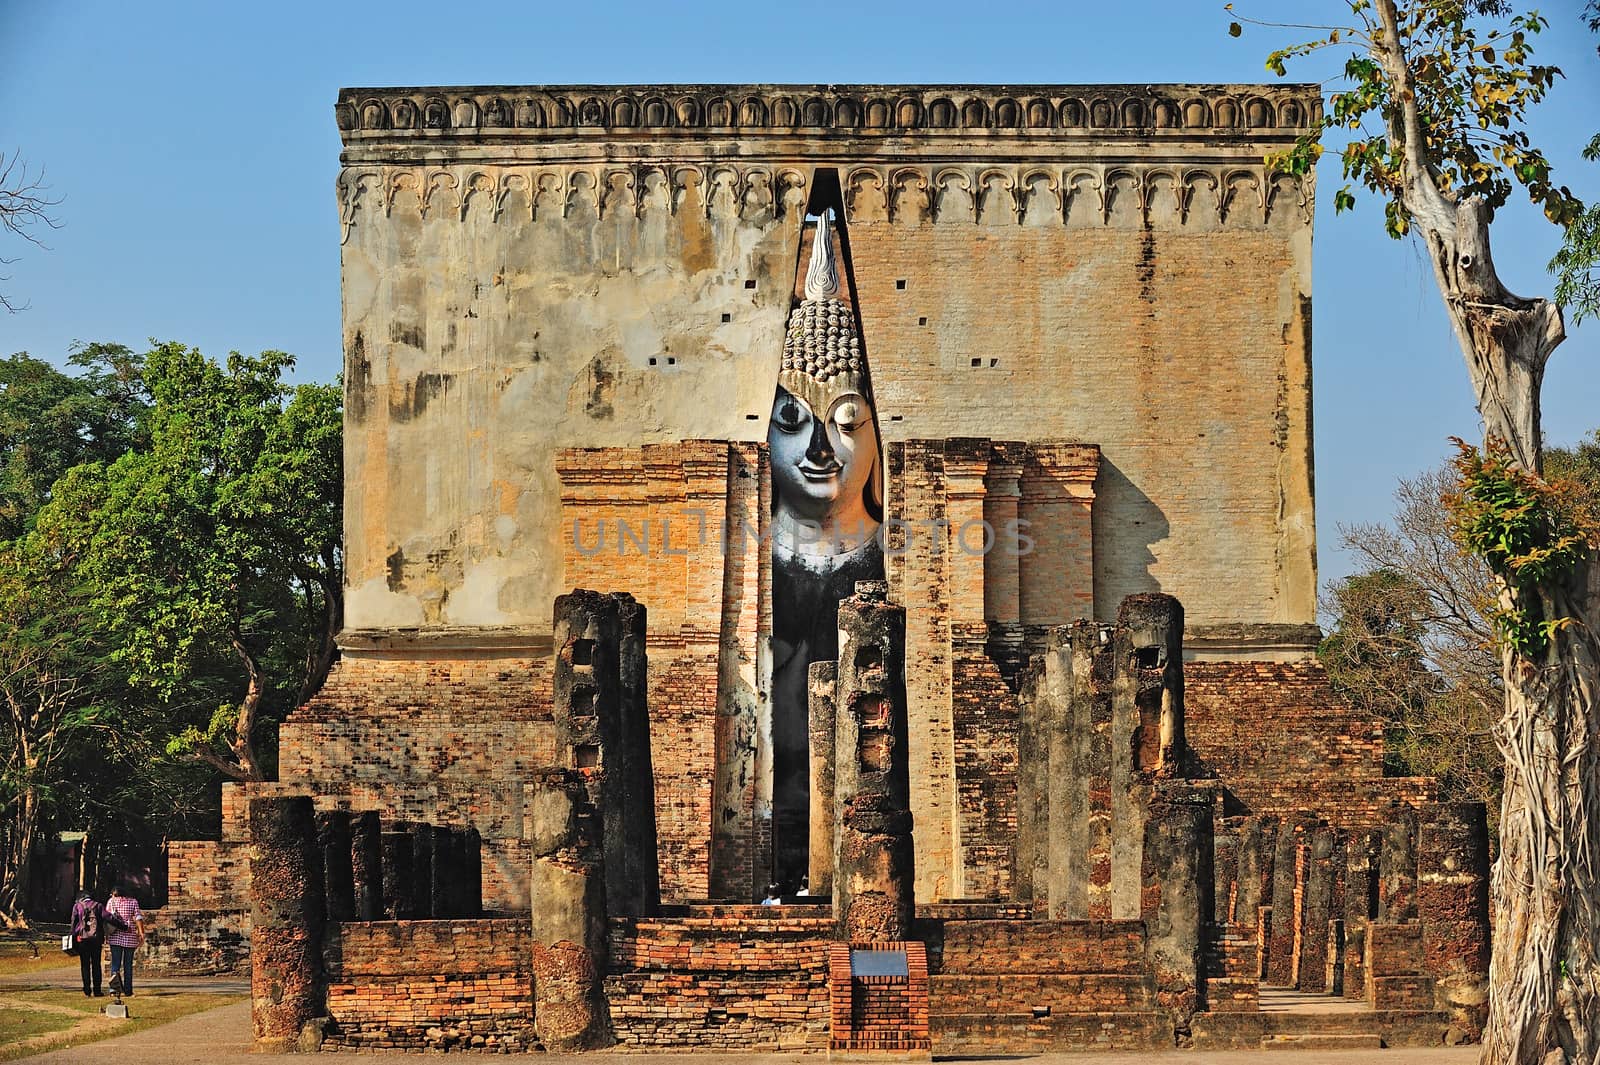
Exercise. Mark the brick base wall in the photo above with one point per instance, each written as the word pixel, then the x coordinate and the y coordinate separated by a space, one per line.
pixel 728 978
pixel 431 985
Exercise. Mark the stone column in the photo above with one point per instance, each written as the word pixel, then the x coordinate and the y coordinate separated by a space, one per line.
pixel 568 895
pixel 1360 898
pixel 366 865
pixel 819 685
pixel 1079 756
pixel 1225 867
pixel 1397 867
pixel 1453 900
pixel 421 871
pixel 642 875
pixel 1257 839
pixel 1175 894
pixel 1153 627
pixel 587 708
pixel 1316 911
pixel 1286 880
pixel 474 873
pixel 287 919
pixel 338 872
pixel 873 890
pixel 398 879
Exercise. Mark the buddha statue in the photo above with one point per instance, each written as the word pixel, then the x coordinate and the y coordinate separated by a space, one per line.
pixel 827 507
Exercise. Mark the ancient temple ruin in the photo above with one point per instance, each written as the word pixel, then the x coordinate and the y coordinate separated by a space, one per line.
pixel 892 504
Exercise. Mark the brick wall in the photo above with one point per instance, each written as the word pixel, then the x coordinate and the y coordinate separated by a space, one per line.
pixel 435 985
pixel 727 978
pixel 447 739
pixel 878 1013
pixel 678 526
pixel 1282 740
pixel 1017 985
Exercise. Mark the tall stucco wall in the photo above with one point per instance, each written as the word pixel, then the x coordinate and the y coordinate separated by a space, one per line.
pixel 532 269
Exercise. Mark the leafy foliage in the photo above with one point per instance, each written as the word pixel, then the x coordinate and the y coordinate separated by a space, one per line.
pixel 1474 85
pixel 1529 532
pixel 216 539
pixel 1577 264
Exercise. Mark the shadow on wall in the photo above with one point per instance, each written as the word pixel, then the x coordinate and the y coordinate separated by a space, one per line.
pixel 1127 524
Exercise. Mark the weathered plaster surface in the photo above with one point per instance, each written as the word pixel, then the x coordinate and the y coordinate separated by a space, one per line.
pixel 531 269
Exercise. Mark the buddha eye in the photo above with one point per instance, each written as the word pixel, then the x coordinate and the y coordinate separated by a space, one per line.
pixel 789 415
pixel 847 415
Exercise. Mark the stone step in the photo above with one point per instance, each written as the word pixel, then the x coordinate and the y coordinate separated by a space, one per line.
pixel 1322 1041
pixel 1366 1028
pixel 1020 993
pixel 969 1034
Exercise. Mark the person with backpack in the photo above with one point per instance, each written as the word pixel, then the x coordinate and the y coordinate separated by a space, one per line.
pixel 89 923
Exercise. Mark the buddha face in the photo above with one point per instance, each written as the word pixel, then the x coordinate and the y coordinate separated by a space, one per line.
pixel 822 468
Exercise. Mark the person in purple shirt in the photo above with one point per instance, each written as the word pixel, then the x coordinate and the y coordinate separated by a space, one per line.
pixel 90 923
pixel 123 908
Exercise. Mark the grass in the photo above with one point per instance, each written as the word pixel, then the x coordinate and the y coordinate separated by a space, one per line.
pixel 22 956
pixel 34 1020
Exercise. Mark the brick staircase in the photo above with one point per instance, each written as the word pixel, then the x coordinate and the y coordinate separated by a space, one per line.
pixel 1010 986
pixel 1292 1020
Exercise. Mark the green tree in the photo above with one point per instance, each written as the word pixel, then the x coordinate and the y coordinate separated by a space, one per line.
pixel 1434 107
pixel 1577 264
pixel 216 540
pixel 50 421
pixel 51 677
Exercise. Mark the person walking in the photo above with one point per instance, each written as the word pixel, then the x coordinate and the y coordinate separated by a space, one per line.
pixel 89 921
pixel 122 908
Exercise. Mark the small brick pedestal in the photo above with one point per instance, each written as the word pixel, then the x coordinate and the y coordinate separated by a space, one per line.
pixel 879 1012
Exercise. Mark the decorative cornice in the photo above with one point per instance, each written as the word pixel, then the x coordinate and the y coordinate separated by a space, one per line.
pixel 367 117
pixel 1028 194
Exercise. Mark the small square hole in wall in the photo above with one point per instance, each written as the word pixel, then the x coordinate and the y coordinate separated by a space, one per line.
pixel 923 320
pixel 992 362
pixel 900 284
pixel 752 417
pixel 652 360
pixel 671 361
pixel 727 317
pixel 896 417
pixel 585 756
pixel 750 284
pixel 977 362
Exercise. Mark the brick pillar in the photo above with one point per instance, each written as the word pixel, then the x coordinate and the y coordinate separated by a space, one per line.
pixel 568 894
pixel 338 873
pixel 1286 869
pixel 819 687
pixel 1316 909
pixel 1360 900
pixel 1453 900
pixel 1152 625
pixel 642 876
pixel 1225 868
pixel 1397 867
pixel 1257 839
pixel 366 865
pixel 1036 708
pixel 287 919
pixel 1175 895
pixel 873 890
pixel 421 870
pixel 587 708
pixel 398 900
pixel 1077 805
pixel 473 897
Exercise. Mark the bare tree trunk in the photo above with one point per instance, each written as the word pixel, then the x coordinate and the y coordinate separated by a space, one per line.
pixel 1544 982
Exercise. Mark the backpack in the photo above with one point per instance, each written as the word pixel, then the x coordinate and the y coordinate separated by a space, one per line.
pixel 89 919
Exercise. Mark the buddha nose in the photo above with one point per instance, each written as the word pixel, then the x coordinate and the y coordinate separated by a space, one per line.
pixel 819 452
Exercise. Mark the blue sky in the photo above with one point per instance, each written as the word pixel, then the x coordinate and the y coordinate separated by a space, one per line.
pixel 194 147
